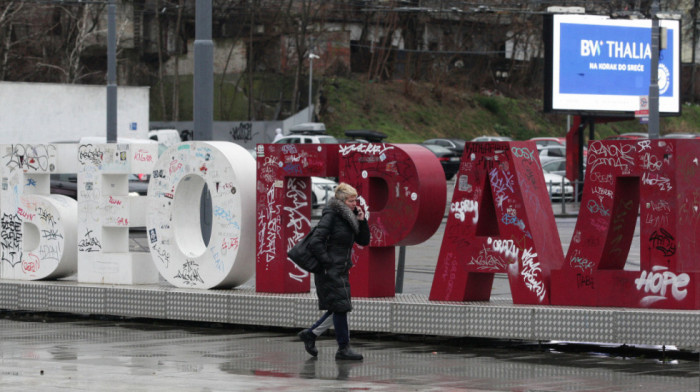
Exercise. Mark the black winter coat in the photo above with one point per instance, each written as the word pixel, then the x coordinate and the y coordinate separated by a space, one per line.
pixel 332 244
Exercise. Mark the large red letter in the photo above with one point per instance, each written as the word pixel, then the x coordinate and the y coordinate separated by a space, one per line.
pixel 284 209
pixel 666 174
pixel 500 220
pixel 404 189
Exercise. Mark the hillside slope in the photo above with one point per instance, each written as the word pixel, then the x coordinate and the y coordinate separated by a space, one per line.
pixel 410 112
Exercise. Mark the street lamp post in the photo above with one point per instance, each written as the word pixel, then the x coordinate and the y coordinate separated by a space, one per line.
pixel 112 73
pixel 311 78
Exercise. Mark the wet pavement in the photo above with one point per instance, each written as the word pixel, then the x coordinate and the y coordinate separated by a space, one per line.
pixel 40 353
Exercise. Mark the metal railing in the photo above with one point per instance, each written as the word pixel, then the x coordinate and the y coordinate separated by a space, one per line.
pixel 573 198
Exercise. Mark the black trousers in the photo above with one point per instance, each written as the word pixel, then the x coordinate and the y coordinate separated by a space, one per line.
pixel 340 324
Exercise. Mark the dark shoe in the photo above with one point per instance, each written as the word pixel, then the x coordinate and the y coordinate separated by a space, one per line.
pixel 346 353
pixel 309 339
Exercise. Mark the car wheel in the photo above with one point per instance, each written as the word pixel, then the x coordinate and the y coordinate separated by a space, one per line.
pixel 314 202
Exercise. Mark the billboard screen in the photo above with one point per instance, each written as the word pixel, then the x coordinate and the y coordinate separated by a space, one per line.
pixel 597 64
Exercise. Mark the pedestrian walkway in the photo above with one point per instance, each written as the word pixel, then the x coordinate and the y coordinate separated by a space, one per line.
pixel 54 354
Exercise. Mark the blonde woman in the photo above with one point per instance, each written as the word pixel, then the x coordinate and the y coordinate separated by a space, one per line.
pixel 342 225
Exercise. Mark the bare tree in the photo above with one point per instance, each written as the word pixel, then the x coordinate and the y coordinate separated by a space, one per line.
pixel 179 42
pixel 76 28
pixel 388 24
pixel 229 11
pixel 304 23
pixel 8 14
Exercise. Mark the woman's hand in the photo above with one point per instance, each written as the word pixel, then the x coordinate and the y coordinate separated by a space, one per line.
pixel 360 214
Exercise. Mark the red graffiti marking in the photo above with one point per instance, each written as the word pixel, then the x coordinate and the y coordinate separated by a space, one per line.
pixel 24 214
pixel 229 243
pixel 30 264
pixel 143 156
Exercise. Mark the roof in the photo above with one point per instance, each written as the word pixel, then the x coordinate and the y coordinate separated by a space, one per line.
pixel 367 134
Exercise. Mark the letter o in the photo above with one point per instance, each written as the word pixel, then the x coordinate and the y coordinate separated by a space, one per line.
pixel 173 222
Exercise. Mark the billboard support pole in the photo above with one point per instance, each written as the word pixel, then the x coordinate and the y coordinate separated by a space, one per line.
pixel 654 82
pixel 585 120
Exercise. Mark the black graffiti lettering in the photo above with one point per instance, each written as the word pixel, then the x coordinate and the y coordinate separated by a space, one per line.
pixel 11 231
pixel 244 131
pixel 29 156
pixel 89 154
pixel 584 281
pixel 89 243
pixel 51 234
pixel 46 216
pixel 190 273
pixel 663 241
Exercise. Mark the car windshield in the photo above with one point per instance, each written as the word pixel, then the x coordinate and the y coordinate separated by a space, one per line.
pixel 327 140
pixel 436 149
pixel 554 166
pixel 459 143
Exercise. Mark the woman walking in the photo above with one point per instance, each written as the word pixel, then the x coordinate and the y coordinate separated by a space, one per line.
pixel 342 224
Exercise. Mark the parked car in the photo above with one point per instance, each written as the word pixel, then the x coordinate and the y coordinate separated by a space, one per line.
pixel 364 136
pixel 555 166
pixel 492 139
pixel 448 159
pixel 549 141
pixel 554 187
pixel 629 136
pixel 322 189
pixel 456 145
pixel 547 153
pixel 306 133
pixel 67 184
pixel 305 139
pixel 165 138
pixel 558 166
pixel 681 136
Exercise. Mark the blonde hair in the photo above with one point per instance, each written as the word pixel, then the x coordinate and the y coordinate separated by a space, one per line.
pixel 343 191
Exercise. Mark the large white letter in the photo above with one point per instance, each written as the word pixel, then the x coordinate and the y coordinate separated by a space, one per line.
pixel 174 230
pixel 106 211
pixel 38 229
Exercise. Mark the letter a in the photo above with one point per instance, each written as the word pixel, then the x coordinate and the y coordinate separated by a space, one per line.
pixel 515 232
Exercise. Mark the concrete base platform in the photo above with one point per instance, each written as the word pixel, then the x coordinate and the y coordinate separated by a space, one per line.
pixel 403 314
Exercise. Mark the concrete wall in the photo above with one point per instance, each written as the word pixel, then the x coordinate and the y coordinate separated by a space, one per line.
pixel 244 133
pixel 45 112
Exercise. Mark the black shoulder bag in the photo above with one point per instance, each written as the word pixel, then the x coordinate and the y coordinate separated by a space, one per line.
pixel 301 255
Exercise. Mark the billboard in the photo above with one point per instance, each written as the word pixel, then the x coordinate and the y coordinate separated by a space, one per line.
pixel 595 64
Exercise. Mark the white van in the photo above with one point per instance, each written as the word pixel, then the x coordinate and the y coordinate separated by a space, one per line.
pixel 308 133
pixel 165 138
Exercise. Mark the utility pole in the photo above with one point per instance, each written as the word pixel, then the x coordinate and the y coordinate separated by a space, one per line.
pixel 654 82
pixel 204 99
pixel 694 15
pixel 203 72
pixel 111 73
pixel 311 82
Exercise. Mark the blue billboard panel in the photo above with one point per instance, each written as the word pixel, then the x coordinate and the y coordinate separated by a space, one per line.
pixel 601 64
pixel 609 60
